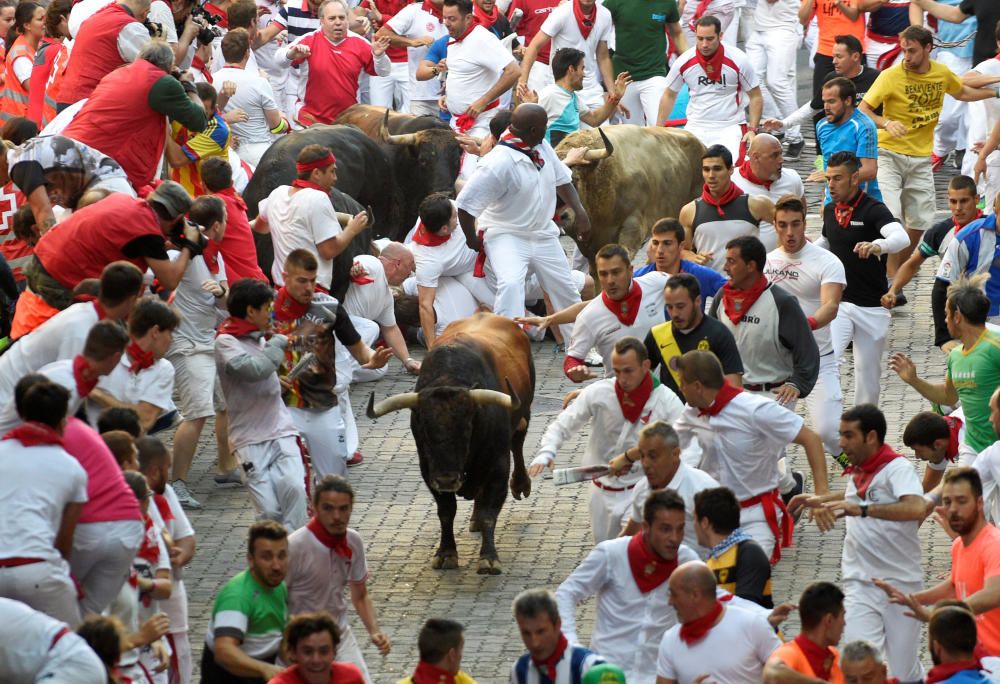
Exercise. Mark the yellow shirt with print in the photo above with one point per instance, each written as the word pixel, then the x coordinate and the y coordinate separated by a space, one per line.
pixel 460 678
pixel 915 101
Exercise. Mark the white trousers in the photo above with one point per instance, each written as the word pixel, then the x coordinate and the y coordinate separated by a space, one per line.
pixel 102 556
pixel 642 99
pixel 540 76
pixel 251 153
pixel 715 134
pixel 71 661
pixel 342 389
pixel 870 616
pixel 323 431
pixel 607 511
pixel 868 328
pixel 874 50
pixel 370 332
pixel 826 402
pixel 950 132
pixel 754 523
pixel 424 108
pixel 392 91
pixel 512 256
pixel 725 12
pixel 45 586
pixel 180 644
pixel 772 55
pixel 277 480
pixel 480 130
pixel 349 651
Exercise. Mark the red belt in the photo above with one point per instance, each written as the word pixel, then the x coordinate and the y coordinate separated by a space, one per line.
pixel 18 562
pixel 783 534
pixel 606 488
pixel 886 60
pixel 59 635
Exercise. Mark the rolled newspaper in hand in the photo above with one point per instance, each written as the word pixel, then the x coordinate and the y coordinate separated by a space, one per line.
pixel 565 476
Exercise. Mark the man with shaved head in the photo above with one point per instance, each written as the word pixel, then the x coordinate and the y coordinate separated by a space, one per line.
pixel 763 174
pixel 712 641
pixel 512 194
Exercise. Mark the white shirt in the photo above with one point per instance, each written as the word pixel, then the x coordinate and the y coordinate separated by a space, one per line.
pixel 987 463
pixel 176 607
pixel 984 114
pixel 153 385
pixel 561 26
pixel 199 309
pixel 38 483
pixel 254 96
pixel 59 372
pixel 629 624
pixel 610 433
pixel 598 327
pixel 734 651
pixel 317 576
pixel 300 221
pixel 508 195
pixel 372 300
pixel 25 636
pixel 474 66
pixel 715 102
pixel 452 301
pixel 687 482
pixel 413 21
pixel 159 13
pixel 60 337
pixel 803 274
pixel 886 549
pixel 741 445
pixel 780 14
pixel 453 258
pixel 789 183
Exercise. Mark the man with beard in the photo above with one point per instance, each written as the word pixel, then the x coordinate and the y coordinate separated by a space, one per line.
pixel 975 560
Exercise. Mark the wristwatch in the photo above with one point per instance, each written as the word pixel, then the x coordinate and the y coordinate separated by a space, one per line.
pixel 864 510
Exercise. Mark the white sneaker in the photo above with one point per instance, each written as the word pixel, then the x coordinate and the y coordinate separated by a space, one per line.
pixel 184 496
pixel 230 477
pixel 593 359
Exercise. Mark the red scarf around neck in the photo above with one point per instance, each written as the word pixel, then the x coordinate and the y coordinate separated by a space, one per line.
pixel 549 665
pixel 141 359
pixel 864 473
pixel 752 177
pixel 237 327
pixel 696 630
pixel 945 671
pixel 633 402
pixel 844 212
pixel 101 313
pixel 83 385
pixel 979 215
pixel 35 434
pixel 820 659
pixel 510 140
pixel 299 183
pixel 231 192
pixel 728 196
pixel 163 507
pixel 336 544
pixel 362 277
pixel 432 9
pixel 954 427
pixel 287 309
pixel 483 19
pixel 584 22
pixel 472 26
pixel 425 237
pixel 726 394
pixel 738 302
pixel 149 550
pixel 431 674
pixel 626 309
pixel 648 570
pixel 712 66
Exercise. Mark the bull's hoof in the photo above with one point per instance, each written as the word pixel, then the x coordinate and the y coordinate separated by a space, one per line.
pixel 474 524
pixel 489 566
pixel 445 560
pixel 520 487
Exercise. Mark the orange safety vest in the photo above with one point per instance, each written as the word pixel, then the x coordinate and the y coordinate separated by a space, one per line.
pixel 791 655
pixel 54 86
pixel 15 96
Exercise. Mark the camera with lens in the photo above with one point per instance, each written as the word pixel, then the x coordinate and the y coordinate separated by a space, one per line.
pixel 155 29
pixel 208 32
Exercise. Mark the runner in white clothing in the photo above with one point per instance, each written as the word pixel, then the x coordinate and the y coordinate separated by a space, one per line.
pixel 762 173
pixel 416 26
pixel 37 648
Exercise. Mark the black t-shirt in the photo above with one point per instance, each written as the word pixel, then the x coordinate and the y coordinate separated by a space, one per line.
pixel 709 335
pixel 987 13
pixel 753 574
pixel 866 281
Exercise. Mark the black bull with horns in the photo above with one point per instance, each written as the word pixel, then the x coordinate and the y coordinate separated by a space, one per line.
pixel 469 411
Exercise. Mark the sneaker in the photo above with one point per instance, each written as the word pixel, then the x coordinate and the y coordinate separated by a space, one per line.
pixel 230 477
pixel 356 459
pixel 184 497
pixel 797 489
pixel 900 300
pixel 593 359
pixel 936 162
pixel 794 151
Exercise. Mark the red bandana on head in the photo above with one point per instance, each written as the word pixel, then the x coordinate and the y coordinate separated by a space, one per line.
pixel 141 359
pixel 696 630
pixel 432 9
pixel 648 570
pixel 820 659
pixel 633 402
pixel 712 66
pixel 625 310
pixel 237 327
pixel 431 674
pixel 425 237
pixel 549 665
pixel 287 309
pixel 726 394
pixel 34 434
pixel 728 196
pixel 337 544
pixel 752 177
pixel 83 386
pixel 844 212
pixel 738 302
pixel 864 473
pixel 584 22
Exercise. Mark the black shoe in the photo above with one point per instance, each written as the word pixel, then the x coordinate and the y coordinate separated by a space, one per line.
pixel 799 485
pixel 794 151
pixel 900 301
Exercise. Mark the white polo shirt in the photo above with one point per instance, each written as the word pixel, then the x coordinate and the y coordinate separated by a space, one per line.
pixel 629 624
pixel 59 372
pixel 453 258
pixel 687 482
pixel 734 651
pixel 789 183
pixel 719 102
pixel 413 21
pixel 254 96
pixel 474 66
pixel 317 576
pixel 300 221
pixel 561 26
pixel 803 274
pixel 153 385
pixel 371 300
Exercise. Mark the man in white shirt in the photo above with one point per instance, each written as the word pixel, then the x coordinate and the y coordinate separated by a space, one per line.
pixel 987 463
pixel 660 451
pixel 713 642
pixel 627 575
pixel 415 27
pixel 36 648
pixel 618 408
pixel 513 196
pixel 884 506
pixel 815 277
pixel 763 173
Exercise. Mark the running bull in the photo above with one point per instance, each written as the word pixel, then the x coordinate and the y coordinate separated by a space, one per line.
pixel 470 410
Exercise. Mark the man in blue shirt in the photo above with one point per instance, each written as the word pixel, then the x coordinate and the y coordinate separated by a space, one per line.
pixel 664 254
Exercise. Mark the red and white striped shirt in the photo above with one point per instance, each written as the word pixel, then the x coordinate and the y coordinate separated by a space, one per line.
pixel 715 102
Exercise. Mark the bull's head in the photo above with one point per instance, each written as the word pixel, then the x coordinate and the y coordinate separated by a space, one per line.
pixel 437 155
pixel 595 155
pixel 442 426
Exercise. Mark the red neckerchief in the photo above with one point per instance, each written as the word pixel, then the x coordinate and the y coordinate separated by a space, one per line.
pixel 696 630
pixel 820 659
pixel 752 177
pixel 648 570
pixel 101 313
pixel 336 544
pixel 483 19
pixel 83 386
pixel 198 64
pixel 149 550
pixel 844 212
pixel 979 215
pixel 237 327
pixel 864 473
pixel 584 22
pixel 726 394
pixel 699 12
pixel 954 427
pixel 361 278
pixel 632 403
pixel 432 9
pixel 940 673
pixel 510 140
pixel 223 15
pixel 287 309
pixel 737 302
pixel 163 506
pixel 712 66
pixel 299 183
pixel 472 26
pixel 34 434
pixel 548 666
pixel 141 359
pixel 425 237
pixel 728 196
pixel 627 309
pixel 431 674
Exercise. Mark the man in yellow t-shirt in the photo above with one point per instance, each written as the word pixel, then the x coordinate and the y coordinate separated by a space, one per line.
pixel 911 95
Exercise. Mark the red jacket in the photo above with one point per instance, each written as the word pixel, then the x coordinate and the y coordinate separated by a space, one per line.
pixel 95 52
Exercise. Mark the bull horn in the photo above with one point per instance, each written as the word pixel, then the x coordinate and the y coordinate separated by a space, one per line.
pixel 485 397
pixel 597 155
pixel 397 402
pixel 402 139
pixel 515 403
